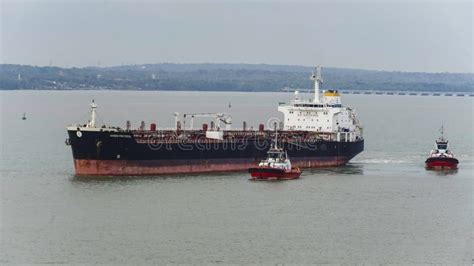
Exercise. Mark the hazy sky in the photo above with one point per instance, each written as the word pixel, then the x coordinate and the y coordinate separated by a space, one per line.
pixel 427 36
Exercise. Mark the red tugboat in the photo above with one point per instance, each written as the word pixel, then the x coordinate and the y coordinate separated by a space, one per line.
pixel 441 157
pixel 277 166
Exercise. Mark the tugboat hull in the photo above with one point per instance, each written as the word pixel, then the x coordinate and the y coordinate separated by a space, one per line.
pixel 441 163
pixel 268 173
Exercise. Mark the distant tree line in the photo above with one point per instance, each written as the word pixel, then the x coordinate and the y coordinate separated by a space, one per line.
pixel 224 77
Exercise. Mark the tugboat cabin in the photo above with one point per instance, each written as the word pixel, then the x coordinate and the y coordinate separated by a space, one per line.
pixel 442 145
pixel 276 155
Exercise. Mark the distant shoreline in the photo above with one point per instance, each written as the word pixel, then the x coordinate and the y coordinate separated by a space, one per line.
pixel 358 93
pixel 225 77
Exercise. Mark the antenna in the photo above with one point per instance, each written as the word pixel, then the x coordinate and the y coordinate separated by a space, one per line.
pixel 318 74
pixel 441 130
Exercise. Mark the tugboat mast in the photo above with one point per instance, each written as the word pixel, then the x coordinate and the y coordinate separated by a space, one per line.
pixel 442 132
pixel 276 137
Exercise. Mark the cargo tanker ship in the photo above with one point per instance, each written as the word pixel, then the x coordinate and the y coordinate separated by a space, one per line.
pixel 317 132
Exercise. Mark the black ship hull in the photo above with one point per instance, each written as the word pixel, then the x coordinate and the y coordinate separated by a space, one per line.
pixel 152 153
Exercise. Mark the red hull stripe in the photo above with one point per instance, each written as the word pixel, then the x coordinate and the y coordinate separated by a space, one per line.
pixel 158 167
pixel 441 165
pixel 269 176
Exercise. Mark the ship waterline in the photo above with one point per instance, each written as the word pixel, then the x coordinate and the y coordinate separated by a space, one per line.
pixel 155 167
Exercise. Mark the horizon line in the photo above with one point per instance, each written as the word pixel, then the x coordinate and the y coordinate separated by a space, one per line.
pixel 250 64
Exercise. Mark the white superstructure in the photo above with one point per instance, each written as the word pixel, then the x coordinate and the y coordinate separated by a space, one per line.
pixel 324 113
pixel 277 157
pixel 93 115
pixel 441 148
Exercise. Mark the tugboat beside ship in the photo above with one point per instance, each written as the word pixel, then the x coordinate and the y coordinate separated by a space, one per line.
pixel 441 158
pixel 277 166
pixel 316 132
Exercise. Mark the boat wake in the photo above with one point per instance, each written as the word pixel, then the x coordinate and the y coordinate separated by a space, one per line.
pixel 414 159
pixel 383 161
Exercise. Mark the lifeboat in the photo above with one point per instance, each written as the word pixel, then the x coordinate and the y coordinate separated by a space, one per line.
pixel 441 157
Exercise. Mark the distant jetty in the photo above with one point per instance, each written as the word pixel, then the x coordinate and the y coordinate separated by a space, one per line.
pixel 406 93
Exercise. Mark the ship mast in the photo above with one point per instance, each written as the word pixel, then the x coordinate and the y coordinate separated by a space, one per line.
pixel 318 80
pixel 441 130
pixel 93 114
pixel 276 136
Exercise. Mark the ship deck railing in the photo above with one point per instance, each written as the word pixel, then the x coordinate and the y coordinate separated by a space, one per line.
pixel 172 134
pixel 167 136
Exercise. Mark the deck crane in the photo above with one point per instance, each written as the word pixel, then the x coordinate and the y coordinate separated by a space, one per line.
pixel 218 118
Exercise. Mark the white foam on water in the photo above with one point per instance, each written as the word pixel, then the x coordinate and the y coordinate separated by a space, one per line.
pixel 380 161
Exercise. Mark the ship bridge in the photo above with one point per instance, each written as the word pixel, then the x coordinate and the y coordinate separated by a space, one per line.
pixel 324 113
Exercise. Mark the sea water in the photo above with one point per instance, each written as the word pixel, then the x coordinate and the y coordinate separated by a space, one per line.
pixel 382 207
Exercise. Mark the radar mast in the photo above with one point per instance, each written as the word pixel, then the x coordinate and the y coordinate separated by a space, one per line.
pixel 318 80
